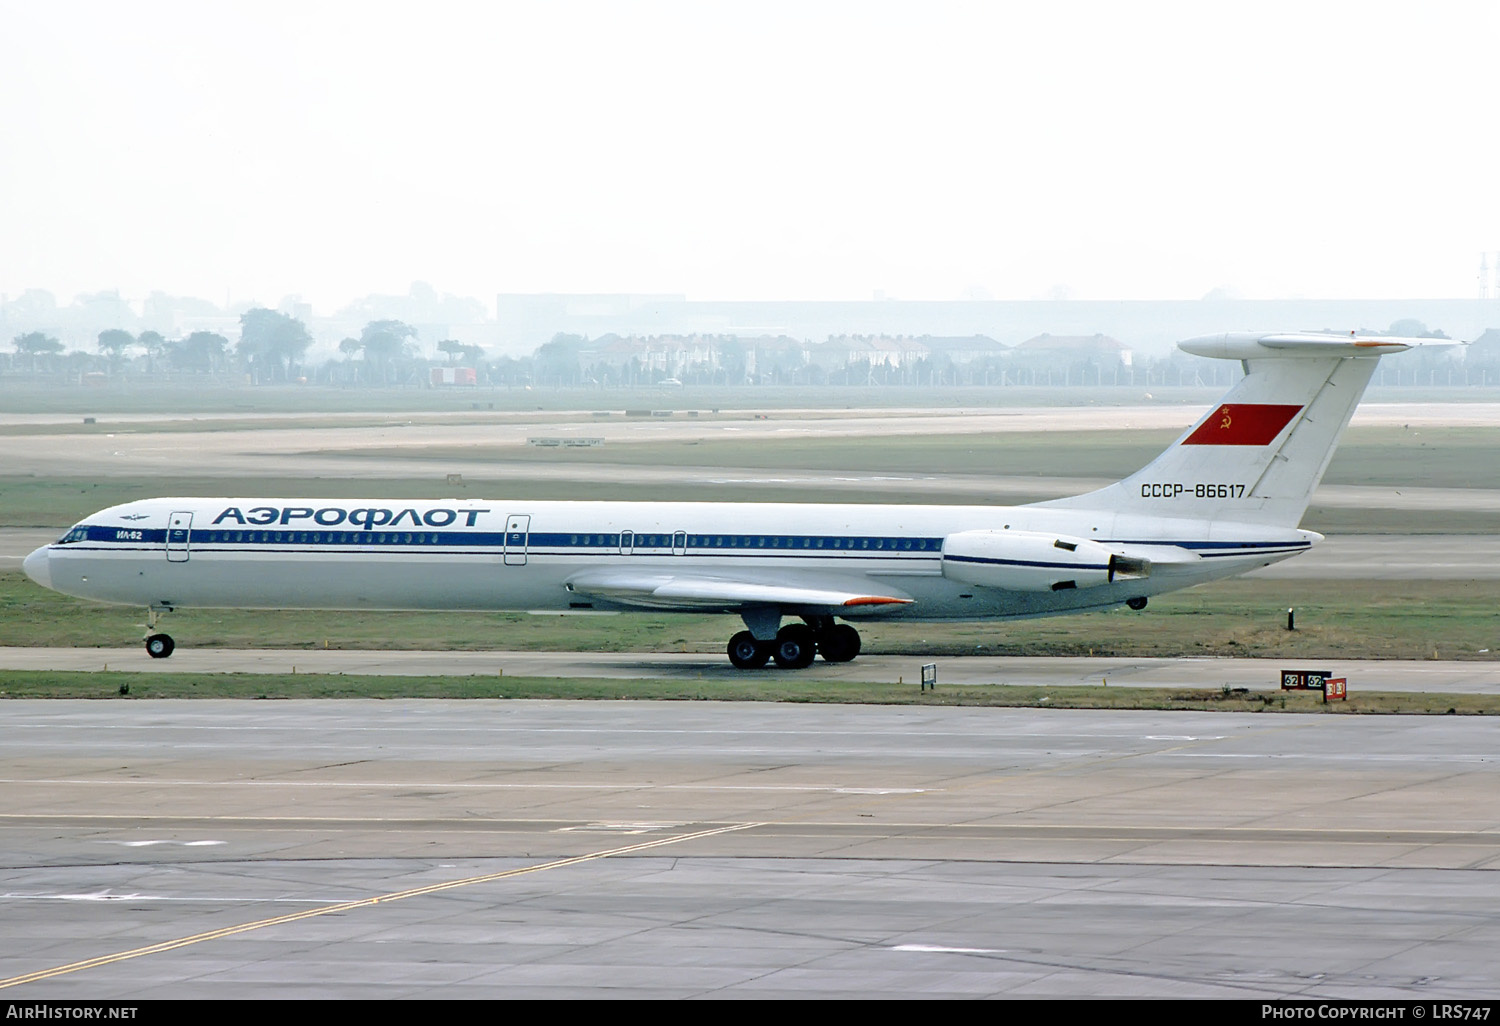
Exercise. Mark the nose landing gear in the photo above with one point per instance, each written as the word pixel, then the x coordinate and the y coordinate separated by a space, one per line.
pixel 158 646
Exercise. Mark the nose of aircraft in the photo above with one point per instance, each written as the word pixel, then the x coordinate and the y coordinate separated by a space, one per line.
pixel 36 568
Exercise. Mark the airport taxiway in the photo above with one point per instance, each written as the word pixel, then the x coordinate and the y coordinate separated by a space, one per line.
pixel 481 849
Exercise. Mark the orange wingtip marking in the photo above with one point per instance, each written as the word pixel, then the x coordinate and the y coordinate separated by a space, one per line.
pixel 876 600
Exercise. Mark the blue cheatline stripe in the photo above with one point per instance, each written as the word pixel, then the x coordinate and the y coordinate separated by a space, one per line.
pixel 533 540
pixel 641 543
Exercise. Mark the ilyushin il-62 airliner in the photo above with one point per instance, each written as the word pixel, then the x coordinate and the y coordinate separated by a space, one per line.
pixel 1225 498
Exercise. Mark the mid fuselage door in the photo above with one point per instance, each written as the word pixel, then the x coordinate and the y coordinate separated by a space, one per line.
pixel 179 532
pixel 517 532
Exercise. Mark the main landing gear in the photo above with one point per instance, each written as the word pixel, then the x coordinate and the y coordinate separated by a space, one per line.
pixel 158 646
pixel 795 646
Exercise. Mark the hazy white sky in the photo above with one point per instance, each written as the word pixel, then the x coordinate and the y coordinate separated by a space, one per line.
pixel 749 150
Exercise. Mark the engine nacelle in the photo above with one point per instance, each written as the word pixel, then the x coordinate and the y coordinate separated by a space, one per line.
pixel 1028 561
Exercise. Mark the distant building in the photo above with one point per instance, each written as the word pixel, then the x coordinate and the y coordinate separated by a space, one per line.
pixel 1485 350
pixel 1152 327
pixel 965 350
pixel 653 357
pixel 1089 347
pixel 869 351
pixel 527 320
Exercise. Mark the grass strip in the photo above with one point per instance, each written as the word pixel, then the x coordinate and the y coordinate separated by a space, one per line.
pixel 755 688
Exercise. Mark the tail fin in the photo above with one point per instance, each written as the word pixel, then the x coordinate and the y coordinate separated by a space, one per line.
pixel 1257 456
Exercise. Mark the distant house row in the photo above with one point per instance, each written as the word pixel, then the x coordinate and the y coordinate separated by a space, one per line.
pixel 684 356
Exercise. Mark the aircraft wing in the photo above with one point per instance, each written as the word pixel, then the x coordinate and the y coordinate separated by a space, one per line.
pixel 649 589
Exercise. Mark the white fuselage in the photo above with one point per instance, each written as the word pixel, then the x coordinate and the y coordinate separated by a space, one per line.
pixel 523 555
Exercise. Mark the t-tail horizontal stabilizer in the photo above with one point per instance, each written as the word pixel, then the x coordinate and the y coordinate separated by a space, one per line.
pixel 1256 456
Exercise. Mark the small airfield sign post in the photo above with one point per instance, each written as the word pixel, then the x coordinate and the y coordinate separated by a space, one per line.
pixel 1333 688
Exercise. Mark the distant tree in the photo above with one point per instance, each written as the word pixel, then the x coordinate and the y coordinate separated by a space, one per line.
pixel 204 352
pixel 557 361
pixel 472 356
pixel 349 372
pixel 1410 327
pixel 271 343
pixel 112 343
pixel 34 344
pixel 154 344
pixel 509 371
pixel 384 343
pixel 79 363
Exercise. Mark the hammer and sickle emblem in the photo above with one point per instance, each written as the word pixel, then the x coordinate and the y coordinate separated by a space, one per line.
pixel 1225 422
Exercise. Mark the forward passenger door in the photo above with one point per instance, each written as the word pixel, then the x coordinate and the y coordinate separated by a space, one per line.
pixel 517 536
pixel 179 533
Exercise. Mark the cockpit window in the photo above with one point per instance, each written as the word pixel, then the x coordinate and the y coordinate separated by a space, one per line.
pixel 77 534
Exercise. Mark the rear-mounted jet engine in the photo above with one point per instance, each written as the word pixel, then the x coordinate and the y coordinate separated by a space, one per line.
pixel 1028 561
